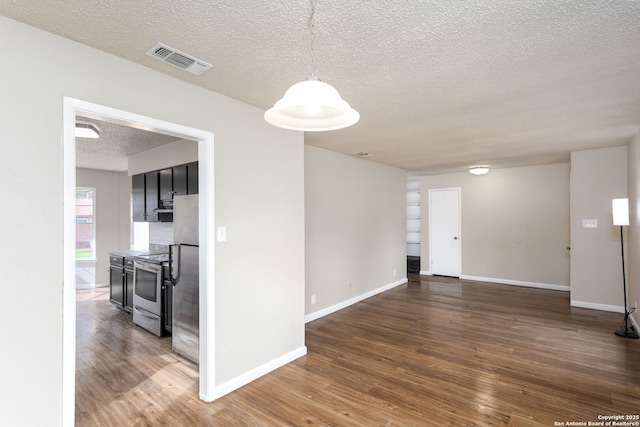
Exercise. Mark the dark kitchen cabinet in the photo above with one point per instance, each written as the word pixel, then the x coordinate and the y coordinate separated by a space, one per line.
pixel 144 197
pixel 138 212
pixel 180 180
pixel 152 191
pixel 121 282
pixel 151 196
pixel 173 182
pixel 192 178
pixel 116 294
pixel 166 184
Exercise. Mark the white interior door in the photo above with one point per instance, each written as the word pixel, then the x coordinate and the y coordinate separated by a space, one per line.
pixel 444 231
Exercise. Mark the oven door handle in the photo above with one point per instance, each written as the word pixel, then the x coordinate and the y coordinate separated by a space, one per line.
pixel 141 265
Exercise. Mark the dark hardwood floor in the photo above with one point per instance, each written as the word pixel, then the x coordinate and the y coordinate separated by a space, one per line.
pixel 437 351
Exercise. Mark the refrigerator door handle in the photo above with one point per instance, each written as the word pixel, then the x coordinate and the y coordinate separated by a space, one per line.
pixel 174 264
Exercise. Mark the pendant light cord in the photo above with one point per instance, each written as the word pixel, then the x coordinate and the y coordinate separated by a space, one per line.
pixel 312 33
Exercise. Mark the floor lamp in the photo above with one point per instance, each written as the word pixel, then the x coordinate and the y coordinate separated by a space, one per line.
pixel 621 217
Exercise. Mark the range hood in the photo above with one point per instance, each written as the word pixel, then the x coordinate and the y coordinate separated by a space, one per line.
pixel 165 206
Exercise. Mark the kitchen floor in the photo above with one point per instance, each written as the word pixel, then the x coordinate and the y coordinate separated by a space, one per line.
pixel 124 374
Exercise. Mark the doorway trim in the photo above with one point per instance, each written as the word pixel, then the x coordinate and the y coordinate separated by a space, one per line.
pixel 72 107
pixel 458 190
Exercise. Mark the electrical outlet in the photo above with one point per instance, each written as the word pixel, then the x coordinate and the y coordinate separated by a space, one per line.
pixel 313 299
pixel 394 272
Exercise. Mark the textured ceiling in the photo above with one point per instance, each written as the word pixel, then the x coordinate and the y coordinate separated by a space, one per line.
pixel 115 145
pixel 440 85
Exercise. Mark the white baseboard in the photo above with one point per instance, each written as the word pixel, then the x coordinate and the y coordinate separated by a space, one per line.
pixel 325 311
pixel 102 285
pixel 604 307
pixel 594 306
pixel 518 283
pixel 257 372
pixel 510 282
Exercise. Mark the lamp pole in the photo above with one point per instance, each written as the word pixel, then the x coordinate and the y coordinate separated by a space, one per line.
pixel 621 218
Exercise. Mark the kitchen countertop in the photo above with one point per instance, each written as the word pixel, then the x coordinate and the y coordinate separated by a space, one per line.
pixel 152 250
pixel 154 258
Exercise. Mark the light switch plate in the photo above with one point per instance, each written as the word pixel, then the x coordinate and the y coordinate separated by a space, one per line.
pixel 590 223
pixel 221 234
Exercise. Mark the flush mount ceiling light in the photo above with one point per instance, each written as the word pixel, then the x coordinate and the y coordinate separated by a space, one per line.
pixel 87 130
pixel 312 105
pixel 479 170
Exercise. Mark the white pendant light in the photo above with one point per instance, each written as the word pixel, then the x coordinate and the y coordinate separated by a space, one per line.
pixel 312 105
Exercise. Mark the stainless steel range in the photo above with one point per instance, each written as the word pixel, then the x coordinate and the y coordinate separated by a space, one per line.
pixel 147 292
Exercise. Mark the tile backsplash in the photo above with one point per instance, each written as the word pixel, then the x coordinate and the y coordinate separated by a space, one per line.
pixel 161 233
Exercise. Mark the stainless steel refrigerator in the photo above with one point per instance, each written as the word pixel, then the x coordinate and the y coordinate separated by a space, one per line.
pixel 184 274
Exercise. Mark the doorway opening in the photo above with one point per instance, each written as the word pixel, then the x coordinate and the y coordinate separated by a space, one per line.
pixel 71 109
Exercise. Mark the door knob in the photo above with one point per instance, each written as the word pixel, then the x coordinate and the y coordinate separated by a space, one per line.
pixel 455 237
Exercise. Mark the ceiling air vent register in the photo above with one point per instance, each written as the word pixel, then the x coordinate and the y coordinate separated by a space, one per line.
pixel 172 56
pixel 362 154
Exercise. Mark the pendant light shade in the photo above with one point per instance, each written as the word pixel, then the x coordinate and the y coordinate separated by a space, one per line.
pixel 311 105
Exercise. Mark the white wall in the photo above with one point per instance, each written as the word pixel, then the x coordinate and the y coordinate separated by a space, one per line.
pixel 597 177
pixel 168 155
pixel 515 224
pixel 108 216
pixel 124 213
pixel 259 270
pixel 355 228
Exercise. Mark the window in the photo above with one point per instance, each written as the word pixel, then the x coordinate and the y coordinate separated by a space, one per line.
pixel 85 224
